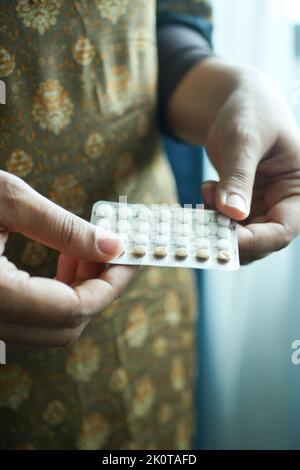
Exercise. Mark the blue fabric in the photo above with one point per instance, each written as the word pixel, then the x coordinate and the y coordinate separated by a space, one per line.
pixel 202 25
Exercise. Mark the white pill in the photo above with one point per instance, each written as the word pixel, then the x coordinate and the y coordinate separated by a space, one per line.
pixel 104 210
pixel 213 228
pixel 202 242
pixel 165 214
pixel 223 256
pixel 144 214
pixel 164 229
pixel 202 216
pixel 183 229
pixel 141 239
pixel 181 253
pixel 182 242
pixel 202 254
pixel 139 250
pixel 186 216
pixel 161 240
pixel 223 244
pixel 160 251
pixel 123 226
pixel 223 232
pixel 142 227
pixel 104 223
pixel 223 220
pixel 202 230
pixel 125 212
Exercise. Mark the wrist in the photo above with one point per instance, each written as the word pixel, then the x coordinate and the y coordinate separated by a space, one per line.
pixel 200 95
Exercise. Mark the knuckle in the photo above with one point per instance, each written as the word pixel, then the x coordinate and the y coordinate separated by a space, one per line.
pixel 12 194
pixel 69 229
pixel 287 238
pixel 66 340
pixel 242 135
pixel 239 179
pixel 74 320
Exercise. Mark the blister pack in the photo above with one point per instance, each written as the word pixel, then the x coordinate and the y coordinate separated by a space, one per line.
pixel 170 235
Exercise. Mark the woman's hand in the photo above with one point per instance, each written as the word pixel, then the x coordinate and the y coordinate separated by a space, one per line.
pixel 254 143
pixel 37 311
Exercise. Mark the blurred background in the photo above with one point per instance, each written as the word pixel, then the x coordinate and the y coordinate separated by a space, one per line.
pixel 248 389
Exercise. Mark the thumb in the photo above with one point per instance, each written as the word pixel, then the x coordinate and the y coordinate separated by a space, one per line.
pixel 26 211
pixel 237 175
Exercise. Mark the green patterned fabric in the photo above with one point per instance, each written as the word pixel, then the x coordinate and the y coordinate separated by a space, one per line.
pixel 79 126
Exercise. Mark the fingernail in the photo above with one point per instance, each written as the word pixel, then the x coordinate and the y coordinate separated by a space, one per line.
pixel 237 202
pixel 109 243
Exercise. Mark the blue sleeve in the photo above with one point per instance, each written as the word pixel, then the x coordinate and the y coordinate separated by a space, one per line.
pixel 184 34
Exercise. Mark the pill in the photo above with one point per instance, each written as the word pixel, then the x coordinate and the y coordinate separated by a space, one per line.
pixel 104 223
pixel 223 220
pixel 123 226
pixel 125 212
pixel 202 254
pixel 143 227
pixel 223 256
pixel 161 240
pixel 202 243
pixel 182 242
pixel 223 232
pixel 202 217
pixel 164 229
pixel 213 228
pixel 160 251
pixel 104 210
pixel 141 239
pixel 202 230
pixel 182 215
pixel 181 253
pixel 165 214
pixel 186 216
pixel 139 250
pixel 183 229
pixel 223 244
pixel 144 214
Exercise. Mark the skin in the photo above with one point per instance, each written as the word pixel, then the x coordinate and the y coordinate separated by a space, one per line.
pixel 253 141
pixel 37 311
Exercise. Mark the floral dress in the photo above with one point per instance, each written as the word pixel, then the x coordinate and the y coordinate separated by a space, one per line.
pixel 79 126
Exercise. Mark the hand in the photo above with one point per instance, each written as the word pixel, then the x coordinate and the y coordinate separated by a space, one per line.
pixel 37 311
pixel 254 143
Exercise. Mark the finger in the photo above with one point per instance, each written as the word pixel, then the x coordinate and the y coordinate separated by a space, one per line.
pixel 97 294
pixel 3 240
pixel 241 154
pixel 26 211
pixel 24 336
pixel 49 303
pixel 208 190
pixel 66 269
pixel 258 240
pixel 88 270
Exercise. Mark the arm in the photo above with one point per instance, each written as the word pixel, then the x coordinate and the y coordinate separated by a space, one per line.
pixel 254 143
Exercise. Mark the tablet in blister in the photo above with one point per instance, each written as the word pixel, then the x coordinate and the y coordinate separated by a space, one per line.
pixel 170 236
